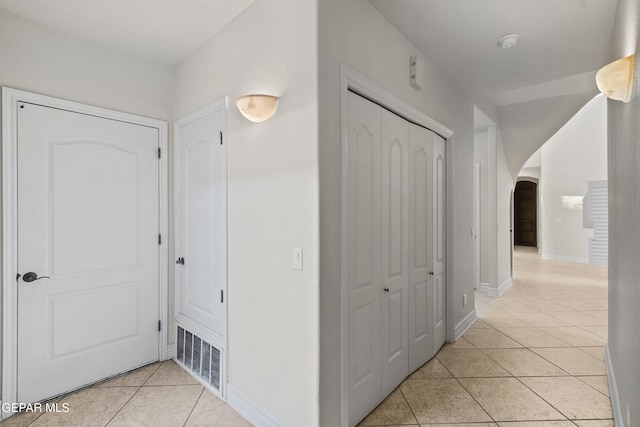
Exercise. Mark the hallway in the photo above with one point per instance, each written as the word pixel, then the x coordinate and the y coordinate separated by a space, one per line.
pixel 534 358
pixel 535 355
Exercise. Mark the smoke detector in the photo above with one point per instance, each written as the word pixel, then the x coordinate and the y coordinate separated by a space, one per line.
pixel 508 41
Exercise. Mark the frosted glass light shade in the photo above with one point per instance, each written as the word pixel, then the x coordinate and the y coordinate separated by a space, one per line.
pixel 615 80
pixel 257 108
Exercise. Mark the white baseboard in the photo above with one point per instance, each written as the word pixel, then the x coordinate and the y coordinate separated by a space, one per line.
pixel 618 419
pixel 464 324
pixel 565 258
pixel 496 293
pixel 484 287
pixel 249 410
pixel 503 288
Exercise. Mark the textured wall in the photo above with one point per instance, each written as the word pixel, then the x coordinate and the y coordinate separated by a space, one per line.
pixel 272 201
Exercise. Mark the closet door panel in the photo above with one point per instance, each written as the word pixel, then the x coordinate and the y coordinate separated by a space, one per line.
pixel 395 236
pixel 364 273
pixel 421 321
pixel 439 279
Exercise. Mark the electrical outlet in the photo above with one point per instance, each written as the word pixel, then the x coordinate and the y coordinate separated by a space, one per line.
pixel 464 300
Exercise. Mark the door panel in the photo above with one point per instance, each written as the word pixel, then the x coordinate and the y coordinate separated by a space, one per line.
pixel 421 299
pixel 438 213
pixel 202 222
pixel 88 219
pixel 395 236
pixel 364 272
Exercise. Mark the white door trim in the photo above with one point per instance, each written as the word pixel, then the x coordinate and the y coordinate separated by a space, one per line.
pixel 351 80
pixel 10 99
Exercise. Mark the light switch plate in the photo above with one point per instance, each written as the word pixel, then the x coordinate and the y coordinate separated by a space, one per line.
pixel 297 258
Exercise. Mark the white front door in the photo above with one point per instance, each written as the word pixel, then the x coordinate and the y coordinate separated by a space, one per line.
pixel 88 221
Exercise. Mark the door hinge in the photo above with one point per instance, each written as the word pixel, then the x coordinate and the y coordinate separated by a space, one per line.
pixel 159 152
pixel 159 239
pixel 159 325
pixel 220 137
pixel 221 296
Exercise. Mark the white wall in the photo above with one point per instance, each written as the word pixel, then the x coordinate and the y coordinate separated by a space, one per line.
pixel 484 153
pixel 38 59
pixel 505 183
pixel 354 33
pixel 624 229
pixel 273 202
pixel 495 205
pixel 577 153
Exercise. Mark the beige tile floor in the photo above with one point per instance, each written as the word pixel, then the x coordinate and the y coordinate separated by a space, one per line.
pixel 161 394
pixel 534 358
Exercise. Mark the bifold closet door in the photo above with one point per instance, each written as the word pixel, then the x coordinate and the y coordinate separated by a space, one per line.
pixel 421 295
pixel 395 248
pixel 364 246
pixel 437 242
pixel 395 176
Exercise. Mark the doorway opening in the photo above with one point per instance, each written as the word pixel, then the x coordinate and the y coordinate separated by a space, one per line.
pixel 525 212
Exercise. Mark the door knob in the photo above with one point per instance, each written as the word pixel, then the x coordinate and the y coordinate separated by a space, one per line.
pixel 31 276
pixel 180 261
pixel 386 290
pixel 431 273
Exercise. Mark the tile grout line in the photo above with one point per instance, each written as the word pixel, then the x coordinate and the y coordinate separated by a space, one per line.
pixel 407 402
pixel 123 406
pixel 476 400
pixel 194 407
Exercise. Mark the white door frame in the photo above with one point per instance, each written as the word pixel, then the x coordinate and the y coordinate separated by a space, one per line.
pixel 351 80
pixel 10 99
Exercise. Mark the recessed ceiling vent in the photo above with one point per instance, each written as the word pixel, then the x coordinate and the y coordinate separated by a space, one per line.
pixel 200 357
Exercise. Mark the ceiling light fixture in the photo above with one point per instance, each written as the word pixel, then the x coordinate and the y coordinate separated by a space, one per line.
pixel 257 107
pixel 615 80
pixel 508 41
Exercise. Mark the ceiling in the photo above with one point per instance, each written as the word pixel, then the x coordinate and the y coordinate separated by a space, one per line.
pixel 162 31
pixel 537 85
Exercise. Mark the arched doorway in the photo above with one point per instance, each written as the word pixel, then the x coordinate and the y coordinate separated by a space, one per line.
pixel 525 214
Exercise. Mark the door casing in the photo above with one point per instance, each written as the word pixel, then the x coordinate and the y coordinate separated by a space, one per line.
pixel 10 99
pixel 350 80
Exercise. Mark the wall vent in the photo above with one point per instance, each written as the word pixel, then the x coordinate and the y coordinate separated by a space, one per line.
pixel 200 357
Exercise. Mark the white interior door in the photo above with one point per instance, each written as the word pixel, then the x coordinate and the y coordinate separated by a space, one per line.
pixel 438 243
pixel 88 219
pixel 201 218
pixel 421 319
pixel 395 248
pixel 364 242
pixel 476 225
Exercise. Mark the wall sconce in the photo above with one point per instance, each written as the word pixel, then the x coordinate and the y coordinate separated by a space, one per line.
pixel 615 80
pixel 257 108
